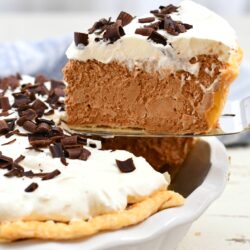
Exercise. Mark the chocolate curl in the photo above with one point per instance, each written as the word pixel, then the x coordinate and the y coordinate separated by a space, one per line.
pixel 125 17
pixel 126 166
pixel 81 38
pixel 144 31
pixel 158 38
pixel 4 103
pixel 114 32
pixel 146 20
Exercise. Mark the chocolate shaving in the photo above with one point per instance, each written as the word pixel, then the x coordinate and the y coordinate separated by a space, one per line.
pixel 36 149
pixel 52 175
pixel 175 28
pixel 22 120
pixel 4 128
pixel 168 9
pixel 39 141
pixel 146 20
pixel 100 25
pixel 81 38
pixel 73 153
pixel 39 107
pixel 53 98
pixel 43 128
pixel 9 82
pixel 187 26
pixel 4 103
pixel 144 31
pixel 29 174
pixel 18 76
pixel 125 17
pixel 5 162
pixel 9 134
pixel 54 84
pixel 39 89
pixel 155 25
pixel 160 15
pixel 64 162
pixel 11 124
pixel 81 140
pixel 114 32
pixel 31 188
pixel 85 154
pixel 56 150
pixel 21 99
pixel 41 79
pixel 158 38
pixel 70 140
pixel 30 126
pixel 9 142
pixel 16 171
pixel 154 11
pixel 17 132
pixel 126 166
pixel 59 92
pixel 30 114
pixel 19 159
pixel 42 120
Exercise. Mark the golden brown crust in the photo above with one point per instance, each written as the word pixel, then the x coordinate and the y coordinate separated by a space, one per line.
pixel 49 230
pixel 228 75
pixel 111 95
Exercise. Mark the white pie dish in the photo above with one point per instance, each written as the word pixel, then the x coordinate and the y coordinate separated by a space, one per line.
pixel 163 230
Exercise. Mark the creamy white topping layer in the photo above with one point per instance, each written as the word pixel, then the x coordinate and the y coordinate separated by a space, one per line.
pixel 82 190
pixel 210 35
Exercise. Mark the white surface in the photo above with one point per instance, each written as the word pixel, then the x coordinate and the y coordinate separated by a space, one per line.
pixel 225 226
pixel 164 229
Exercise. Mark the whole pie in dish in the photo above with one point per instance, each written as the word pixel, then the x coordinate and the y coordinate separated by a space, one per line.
pixel 59 185
pixel 168 71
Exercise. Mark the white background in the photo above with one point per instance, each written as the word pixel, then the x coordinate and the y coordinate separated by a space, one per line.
pixel 223 7
pixel 226 225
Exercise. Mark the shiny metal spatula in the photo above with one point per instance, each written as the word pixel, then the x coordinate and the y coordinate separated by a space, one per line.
pixel 234 119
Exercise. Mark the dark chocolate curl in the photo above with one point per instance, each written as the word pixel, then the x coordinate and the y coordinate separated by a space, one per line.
pixel 144 31
pixel 146 20
pixel 126 166
pixel 81 38
pixel 31 188
pixel 4 103
pixel 158 38
pixel 114 32
pixel 125 17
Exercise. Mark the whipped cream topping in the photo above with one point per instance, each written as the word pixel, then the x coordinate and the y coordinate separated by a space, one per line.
pixel 210 35
pixel 82 190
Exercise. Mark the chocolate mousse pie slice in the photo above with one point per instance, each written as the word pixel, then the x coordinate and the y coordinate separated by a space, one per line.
pixel 166 72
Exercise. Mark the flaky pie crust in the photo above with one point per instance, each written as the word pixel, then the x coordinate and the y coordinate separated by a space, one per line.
pixel 51 230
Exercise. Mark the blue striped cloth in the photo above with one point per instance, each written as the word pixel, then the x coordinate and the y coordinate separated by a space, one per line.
pixel 37 57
